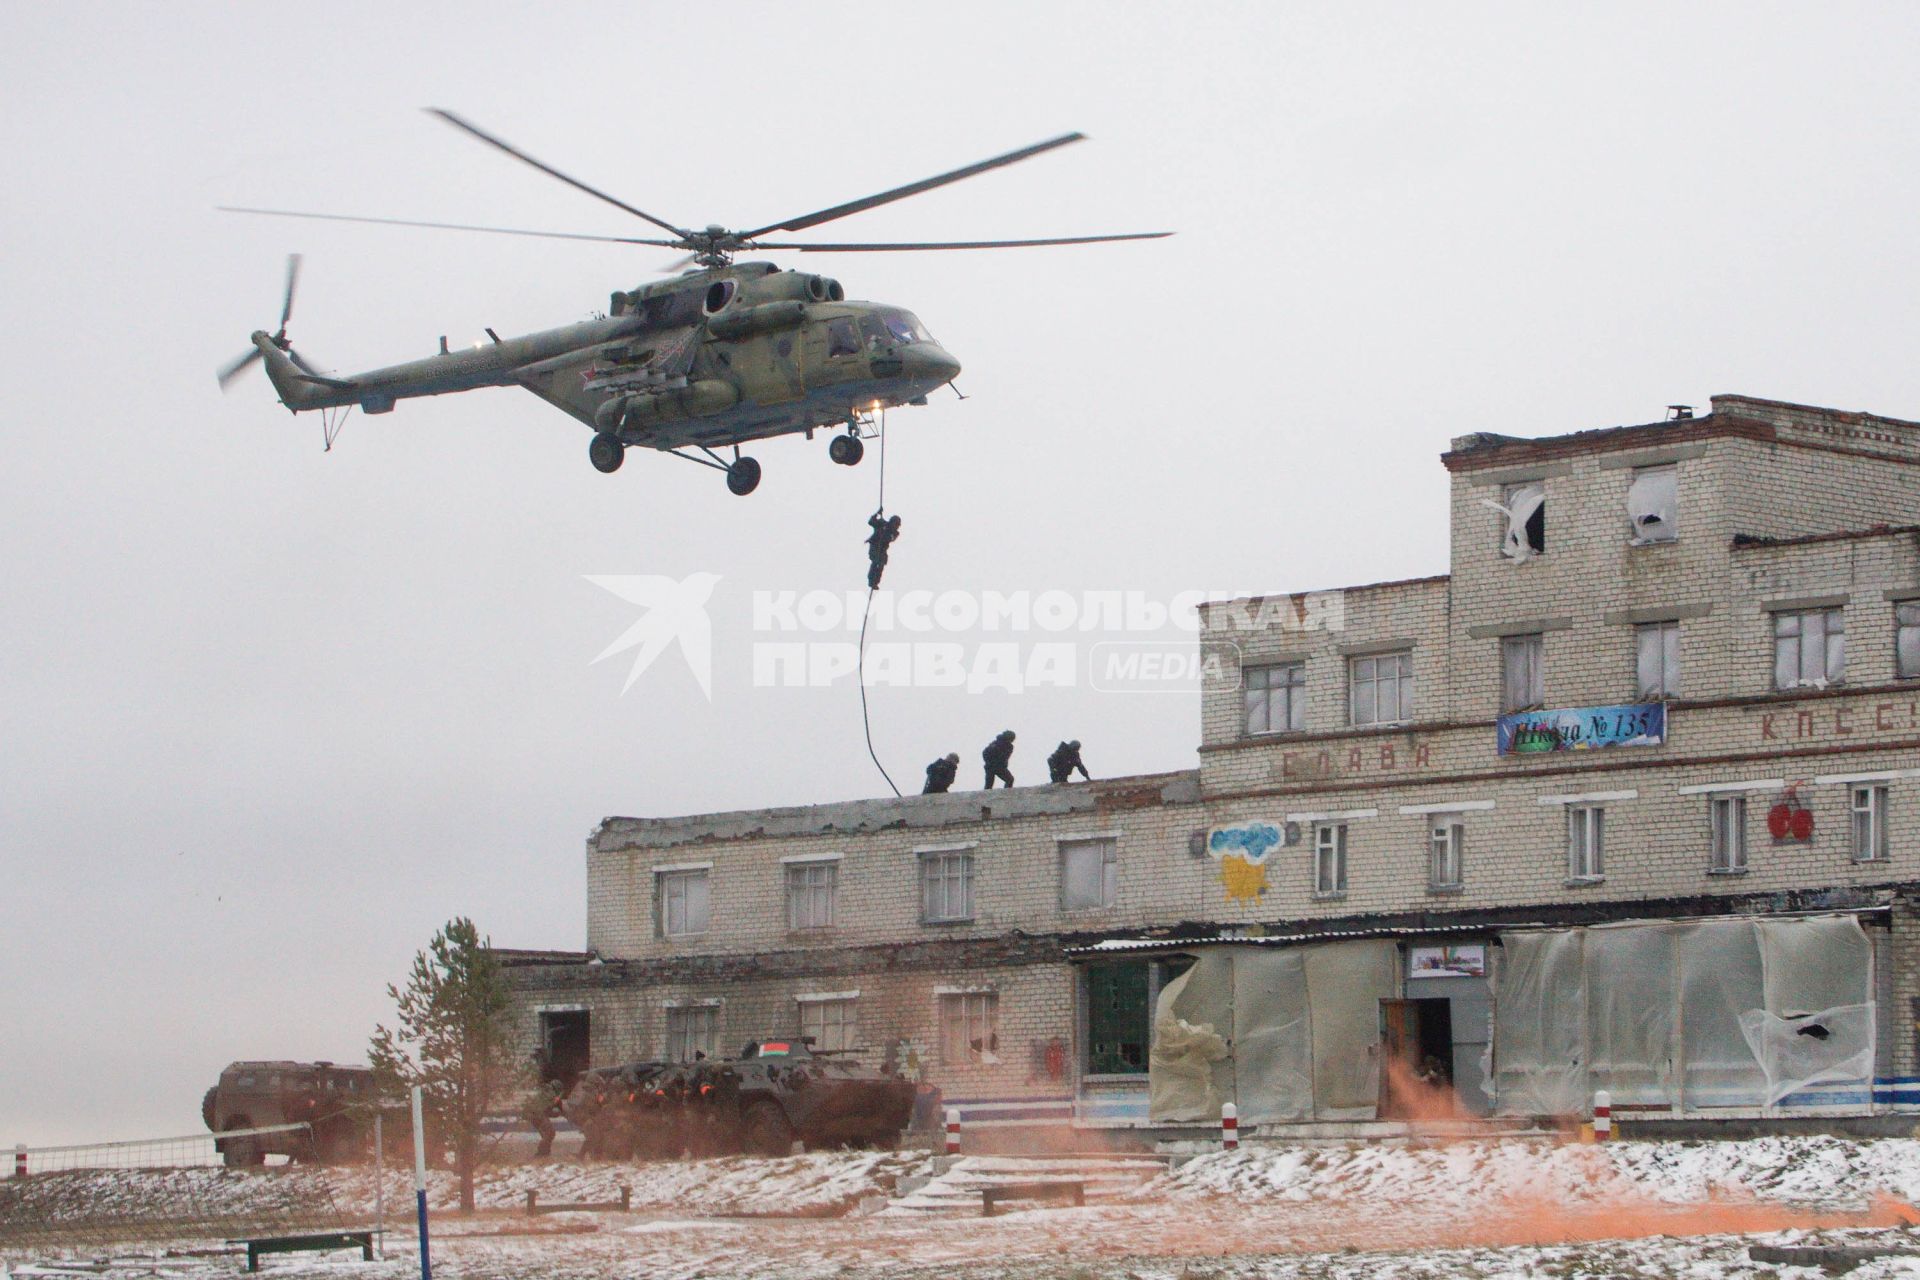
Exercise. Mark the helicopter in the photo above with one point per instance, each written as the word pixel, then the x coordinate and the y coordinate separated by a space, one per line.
pixel 722 354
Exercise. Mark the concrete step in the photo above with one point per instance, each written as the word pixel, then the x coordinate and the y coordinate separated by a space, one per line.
pixel 957 1181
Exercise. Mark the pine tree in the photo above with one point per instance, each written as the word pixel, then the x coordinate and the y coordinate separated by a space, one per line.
pixel 454 1040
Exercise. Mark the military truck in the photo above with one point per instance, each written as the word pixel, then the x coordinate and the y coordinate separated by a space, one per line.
pixel 774 1093
pixel 337 1102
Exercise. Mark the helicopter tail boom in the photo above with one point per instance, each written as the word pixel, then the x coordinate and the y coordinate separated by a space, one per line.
pixel 299 386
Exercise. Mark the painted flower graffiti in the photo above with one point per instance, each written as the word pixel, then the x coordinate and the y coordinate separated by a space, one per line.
pixel 1242 853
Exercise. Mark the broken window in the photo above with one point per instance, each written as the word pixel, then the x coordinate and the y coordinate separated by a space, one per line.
pixel 946 885
pixel 1657 661
pixel 681 898
pixel 1380 688
pixel 693 1032
pixel 1869 808
pixel 1653 504
pixel 1906 639
pixel 1522 672
pixel 970 1028
pixel 1447 852
pixel 1525 509
pixel 1728 816
pixel 1330 858
pixel 1089 874
pixel 1276 698
pixel 1118 1008
pixel 1586 842
pixel 1809 648
pixel 811 889
pixel 833 1025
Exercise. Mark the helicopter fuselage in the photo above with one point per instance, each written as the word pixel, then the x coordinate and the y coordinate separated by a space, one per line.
pixel 708 359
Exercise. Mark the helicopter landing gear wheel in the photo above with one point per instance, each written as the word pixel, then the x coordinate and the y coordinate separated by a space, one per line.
pixel 743 477
pixel 846 450
pixel 606 453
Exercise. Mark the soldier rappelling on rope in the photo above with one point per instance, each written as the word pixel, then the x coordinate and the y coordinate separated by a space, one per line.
pixel 885 529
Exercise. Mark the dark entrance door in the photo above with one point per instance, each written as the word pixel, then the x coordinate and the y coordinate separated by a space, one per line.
pixel 566 1034
pixel 1416 1067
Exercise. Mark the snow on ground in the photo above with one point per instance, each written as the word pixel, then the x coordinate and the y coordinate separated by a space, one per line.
pixel 1480 1209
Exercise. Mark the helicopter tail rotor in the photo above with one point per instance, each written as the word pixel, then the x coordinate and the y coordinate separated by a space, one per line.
pixel 229 372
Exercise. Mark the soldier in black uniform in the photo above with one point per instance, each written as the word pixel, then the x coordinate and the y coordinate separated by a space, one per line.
pixel 996 757
pixel 884 532
pixel 1064 760
pixel 941 773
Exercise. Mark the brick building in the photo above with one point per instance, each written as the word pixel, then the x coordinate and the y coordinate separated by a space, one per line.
pixel 1627 800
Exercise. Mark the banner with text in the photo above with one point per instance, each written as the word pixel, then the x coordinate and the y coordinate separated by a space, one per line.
pixel 1581 728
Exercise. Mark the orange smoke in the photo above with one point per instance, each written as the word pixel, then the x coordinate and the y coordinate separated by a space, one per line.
pixel 1537 1219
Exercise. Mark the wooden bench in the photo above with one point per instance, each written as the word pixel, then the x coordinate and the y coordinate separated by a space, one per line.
pixel 623 1204
pixel 1074 1193
pixel 318 1241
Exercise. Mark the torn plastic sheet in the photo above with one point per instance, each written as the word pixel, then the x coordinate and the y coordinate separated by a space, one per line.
pixel 1526 513
pixel 1189 1067
pixel 1693 1015
pixel 1653 503
pixel 1831 1046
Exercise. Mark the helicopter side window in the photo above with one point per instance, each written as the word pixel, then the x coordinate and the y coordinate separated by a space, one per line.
pixel 841 339
pixel 875 333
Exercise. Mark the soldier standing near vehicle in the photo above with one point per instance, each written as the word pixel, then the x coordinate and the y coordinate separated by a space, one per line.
pixel 941 773
pixel 996 757
pixel 1064 760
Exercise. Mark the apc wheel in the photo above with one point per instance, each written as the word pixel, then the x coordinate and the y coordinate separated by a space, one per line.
pixel 846 450
pixel 766 1131
pixel 238 1153
pixel 743 477
pixel 606 453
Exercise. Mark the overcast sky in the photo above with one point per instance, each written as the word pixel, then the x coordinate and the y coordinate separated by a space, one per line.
pixel 270 716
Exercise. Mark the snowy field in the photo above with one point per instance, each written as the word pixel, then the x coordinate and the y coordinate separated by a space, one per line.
pixel 1481 1208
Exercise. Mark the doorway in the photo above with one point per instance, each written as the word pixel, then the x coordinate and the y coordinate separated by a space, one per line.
pixel 566 1036
pixel 1416 1048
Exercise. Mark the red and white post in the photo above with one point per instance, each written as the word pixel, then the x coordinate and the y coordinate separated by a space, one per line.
pixel 20 1160
pixel 1602 1116
pixel 1229 1127
pixel 953 1131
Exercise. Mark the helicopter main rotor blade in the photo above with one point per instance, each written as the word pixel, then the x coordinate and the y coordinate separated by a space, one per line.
pixel 962 244
pixel 913 188
pixel 448 226
pixel 229 372
pixel 293 279
pixel 550 171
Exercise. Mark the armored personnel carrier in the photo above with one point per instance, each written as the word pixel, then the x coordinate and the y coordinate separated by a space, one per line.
pixel 337 1103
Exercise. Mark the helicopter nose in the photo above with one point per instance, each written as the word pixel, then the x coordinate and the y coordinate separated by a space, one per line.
pixel 929 363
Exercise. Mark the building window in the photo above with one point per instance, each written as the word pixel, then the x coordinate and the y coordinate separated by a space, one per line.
pixel 1522 672
pixel 1330 859
pixel 833 1025
pixel 1525 506
pixel 693 1032
pixel 1809 648
pixel 1380 689
pixel 1728 814
pixel 1119 1000
pixel 1089 874
pixel 1586 842
pixel 946 885
pixel 811 890
pixel 1657 661
pixel 1446 852
pixel 1869 806
pixel 1653 505
pixel 1276 698
pixel 681 898
pixel 1906 639
pixel 970 1028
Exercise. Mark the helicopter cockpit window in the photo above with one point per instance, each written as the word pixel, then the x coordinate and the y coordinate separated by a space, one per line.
pixel 906 327
pixel 719 295
pixel 874 332
pixel 841 339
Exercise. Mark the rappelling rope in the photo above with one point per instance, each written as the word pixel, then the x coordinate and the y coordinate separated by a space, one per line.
pixel 866 720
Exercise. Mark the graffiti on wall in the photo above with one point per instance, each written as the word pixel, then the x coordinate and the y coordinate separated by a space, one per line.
pixel 1242 852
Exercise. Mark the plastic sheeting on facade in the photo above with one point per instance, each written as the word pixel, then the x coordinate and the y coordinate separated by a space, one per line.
pixel 1285 1033
pixel 1684 1014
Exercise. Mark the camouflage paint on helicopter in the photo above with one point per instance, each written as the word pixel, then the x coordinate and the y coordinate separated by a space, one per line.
pixel 721 355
